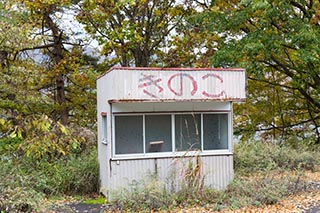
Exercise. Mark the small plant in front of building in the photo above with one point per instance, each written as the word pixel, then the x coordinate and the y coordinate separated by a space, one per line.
pixel 190 187
pixel 147 194
pixel 98 200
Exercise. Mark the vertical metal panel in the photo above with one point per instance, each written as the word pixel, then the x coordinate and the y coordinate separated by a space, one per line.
pixel 160 86
pixel 217 170
pixel 126 171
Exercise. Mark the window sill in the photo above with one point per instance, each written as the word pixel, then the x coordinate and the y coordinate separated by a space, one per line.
pixel 171 155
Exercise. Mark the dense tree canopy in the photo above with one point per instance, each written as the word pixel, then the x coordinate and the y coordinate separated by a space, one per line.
pixel 46 76
pixel 132 32
pixel 45 80
pixel 278 43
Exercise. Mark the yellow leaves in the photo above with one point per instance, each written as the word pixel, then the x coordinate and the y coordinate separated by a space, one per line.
pixel 126 2
pixel 8 129
pixel 5 125
pixel 69 64
pixel 2 122
pixel 47 139
pixel 176 11
pixel 14 28
pixel 63 129
pixel 43 124
pixel 16 133
pixel 215 9
pixel 40 4
pixel 49 1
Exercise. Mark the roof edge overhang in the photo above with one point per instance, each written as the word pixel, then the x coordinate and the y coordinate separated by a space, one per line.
pixel 187 69
pixel 111 101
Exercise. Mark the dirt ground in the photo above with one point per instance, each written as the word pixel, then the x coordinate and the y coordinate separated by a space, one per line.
pixel 304 202
pixel 298 203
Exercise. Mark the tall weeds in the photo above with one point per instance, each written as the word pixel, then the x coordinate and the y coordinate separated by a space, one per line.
pixel 258 157
pixel 263 176
pixel 24 182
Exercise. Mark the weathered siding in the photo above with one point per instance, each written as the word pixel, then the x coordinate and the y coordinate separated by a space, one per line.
pixel 176 84
pixel 217 170
pixel 170 107
pixel 152 90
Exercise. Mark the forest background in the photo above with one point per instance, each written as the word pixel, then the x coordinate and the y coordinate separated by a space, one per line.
pixel 48 70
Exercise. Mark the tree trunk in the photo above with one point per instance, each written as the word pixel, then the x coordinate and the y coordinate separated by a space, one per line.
pixel 57 57
pixel 142 57
pixel 61 100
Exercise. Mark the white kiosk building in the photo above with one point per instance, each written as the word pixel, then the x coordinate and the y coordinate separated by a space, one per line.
pixel 150 120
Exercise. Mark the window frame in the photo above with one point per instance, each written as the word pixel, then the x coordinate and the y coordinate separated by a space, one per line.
pixel 172 153
pixel 104 129
pixel 145 122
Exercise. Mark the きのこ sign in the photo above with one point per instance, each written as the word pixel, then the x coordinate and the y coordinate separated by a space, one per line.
pixel 178 84
pixel 182 84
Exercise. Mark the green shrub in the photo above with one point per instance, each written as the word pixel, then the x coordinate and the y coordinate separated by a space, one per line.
pixel 150 194
pixel 16 195
pixel 76 174
pixel 257 156
pixel 67 175
pixel 9 144
pixel 44 158
pixel 19 199
pixel 24 181
pixel 267 189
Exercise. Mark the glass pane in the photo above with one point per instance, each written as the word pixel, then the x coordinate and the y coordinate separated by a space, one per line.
pixel 215 131
pixel 187 132
pixel 158 133
pixel 104 130
pixel 129 134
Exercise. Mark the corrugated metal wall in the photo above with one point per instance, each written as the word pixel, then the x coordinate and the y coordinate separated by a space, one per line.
pixel 217 171
pixel 158 89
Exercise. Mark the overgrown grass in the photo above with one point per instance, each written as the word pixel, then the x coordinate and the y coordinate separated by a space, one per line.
pixel 142 196
pixel 259 157
pixel 25 182
pixel 50 160
pixel 151 195
pixel 263 176
pixel 265 173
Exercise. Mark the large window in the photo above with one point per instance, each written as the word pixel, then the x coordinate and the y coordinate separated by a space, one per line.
pixel 129 134
pixel 158 133
pixel 167 133
pixel 187 132
pixel 215 131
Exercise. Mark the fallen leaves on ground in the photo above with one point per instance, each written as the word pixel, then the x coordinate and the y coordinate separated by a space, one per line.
pixel 297 203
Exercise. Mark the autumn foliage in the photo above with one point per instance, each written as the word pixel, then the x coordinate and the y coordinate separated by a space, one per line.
pixel 51 52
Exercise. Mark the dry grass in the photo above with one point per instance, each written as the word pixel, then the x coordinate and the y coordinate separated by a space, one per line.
pixel 298 203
